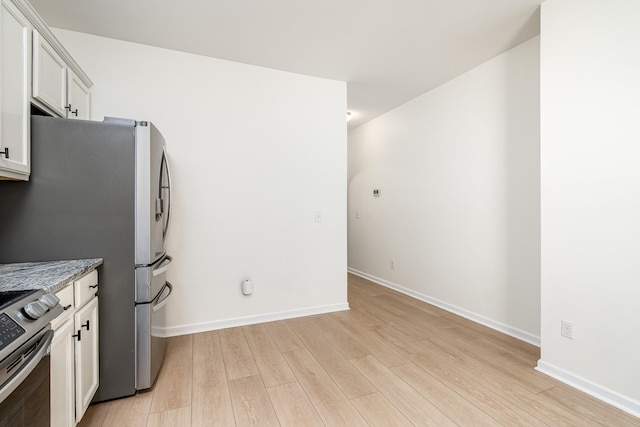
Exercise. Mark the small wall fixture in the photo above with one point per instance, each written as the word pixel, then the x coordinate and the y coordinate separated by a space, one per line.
pixel 348 115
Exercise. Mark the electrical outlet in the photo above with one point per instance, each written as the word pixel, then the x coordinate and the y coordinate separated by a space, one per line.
pixel 393 264
pixel 566 329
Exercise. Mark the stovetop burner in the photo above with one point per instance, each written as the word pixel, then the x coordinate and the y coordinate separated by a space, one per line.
pixel 9 297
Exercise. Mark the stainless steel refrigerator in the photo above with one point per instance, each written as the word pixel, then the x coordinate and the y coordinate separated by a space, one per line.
pixel 101 190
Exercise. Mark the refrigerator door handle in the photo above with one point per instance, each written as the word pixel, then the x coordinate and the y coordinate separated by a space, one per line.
pixel 163 266
pixel 159 302
pixel 167 222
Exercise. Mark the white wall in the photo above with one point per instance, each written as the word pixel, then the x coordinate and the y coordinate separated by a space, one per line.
pixel 590 91
pixel 254 154
pixel 458 170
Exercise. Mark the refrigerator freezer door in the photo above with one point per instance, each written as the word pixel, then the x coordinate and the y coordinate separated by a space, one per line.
pixel 150 344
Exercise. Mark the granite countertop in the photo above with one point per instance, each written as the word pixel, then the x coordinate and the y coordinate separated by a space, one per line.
pixel 50 276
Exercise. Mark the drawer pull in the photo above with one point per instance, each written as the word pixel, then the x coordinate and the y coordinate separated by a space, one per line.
pixel 66 307
pixel 93 286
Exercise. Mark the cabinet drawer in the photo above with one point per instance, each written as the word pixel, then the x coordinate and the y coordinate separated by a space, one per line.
pixel 85 288
pixel 66 301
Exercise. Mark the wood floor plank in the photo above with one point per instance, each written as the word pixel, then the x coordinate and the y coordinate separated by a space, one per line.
pixel 211 401
pixel 377 411
pixel 412 405
pixel 251 403
pixel 344 374
pixel 363 318
pixel 488 364
pixel 593 409
pixel 180 417
pixel 376 346
pixel 342 341
pixel 416 303
pixel 284 338
pixel 130 412
pixel 520 349
pixel 95 415
pixel 487 400
pixel 446 399
pixel 293 407
pixel 238 359
pixel 327 398
pixel 400 340
pixel 172 389
pixel 412 322
pixel 271 365
pixel 359 283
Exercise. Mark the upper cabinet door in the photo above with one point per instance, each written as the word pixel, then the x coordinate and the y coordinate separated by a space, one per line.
pixel 78 98
pixel 15 84
pixel 49 76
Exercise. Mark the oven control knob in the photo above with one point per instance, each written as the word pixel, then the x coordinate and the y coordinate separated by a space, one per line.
pixel 49 300
pixel 35 310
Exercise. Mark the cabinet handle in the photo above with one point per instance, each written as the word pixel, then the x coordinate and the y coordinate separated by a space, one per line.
pixel 67 107
pixel 93 286
pixel 75 112
pixel 78 335
pixel 66 307
pixel 85 325
pixel 5 152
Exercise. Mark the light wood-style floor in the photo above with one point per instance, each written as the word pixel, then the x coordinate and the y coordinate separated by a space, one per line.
pixel 389 361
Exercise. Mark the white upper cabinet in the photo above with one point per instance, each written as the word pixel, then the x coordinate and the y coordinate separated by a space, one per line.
pixel 78 98
pixel 34 69
pixel 56 85
pixel 49 76
pixel 15 92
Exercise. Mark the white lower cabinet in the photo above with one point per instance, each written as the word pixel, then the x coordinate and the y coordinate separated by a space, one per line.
pixel 86 325
pixel 74 352
pixel 63 376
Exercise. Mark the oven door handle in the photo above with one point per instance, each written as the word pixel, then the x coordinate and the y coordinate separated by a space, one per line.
pixel 159 302
pixel 43 349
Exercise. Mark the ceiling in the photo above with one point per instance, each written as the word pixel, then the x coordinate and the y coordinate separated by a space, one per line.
pixel 388 51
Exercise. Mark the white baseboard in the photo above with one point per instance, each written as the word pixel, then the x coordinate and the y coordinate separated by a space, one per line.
pixel 493 324
pixel 247 320
pixel 613 398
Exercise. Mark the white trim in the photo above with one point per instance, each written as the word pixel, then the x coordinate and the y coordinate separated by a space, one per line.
pixel 493 324
pixel 247 320
pixel 611 397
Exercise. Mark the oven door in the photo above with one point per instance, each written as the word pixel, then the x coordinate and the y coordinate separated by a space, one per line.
pixel 24 393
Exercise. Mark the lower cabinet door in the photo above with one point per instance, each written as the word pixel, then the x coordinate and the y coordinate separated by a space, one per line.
pixel 62 376
pixel 86 348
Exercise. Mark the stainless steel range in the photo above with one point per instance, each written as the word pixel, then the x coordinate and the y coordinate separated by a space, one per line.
pixel 25 342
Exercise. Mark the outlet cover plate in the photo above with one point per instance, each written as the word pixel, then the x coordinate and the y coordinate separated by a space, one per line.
pixel 566 329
